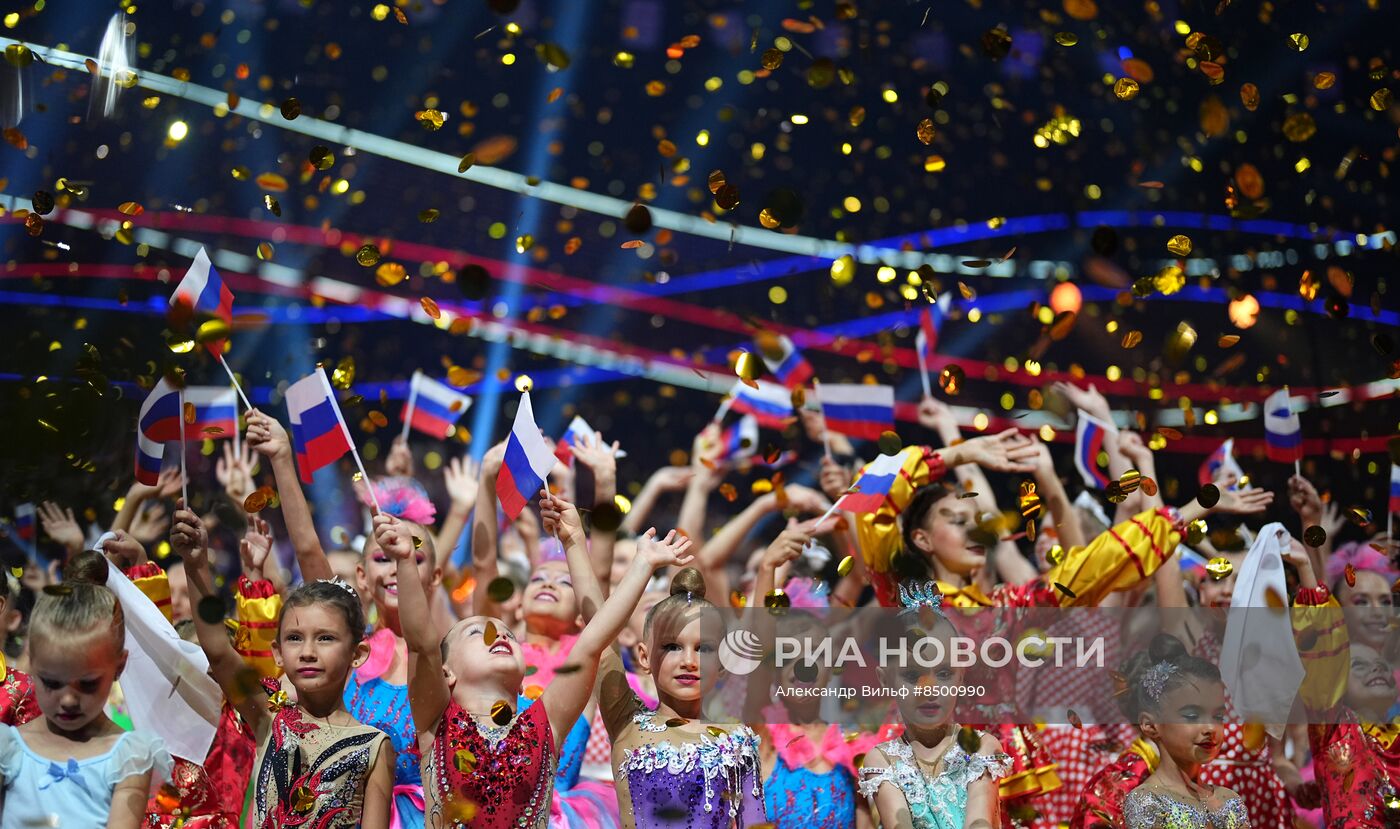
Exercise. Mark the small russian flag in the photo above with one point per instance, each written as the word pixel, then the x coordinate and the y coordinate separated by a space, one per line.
pixel 24 521
pixel 1395 488
pixel 770 403
pixel 432 408
pixel 204 290
pixel 740 439
pixel 215 411
pixel 1283 433
pixel 856 409
pixel 930 321
pixel 789 366
pixel 1088 444
pixel 159 422
pixel 527 463
pixel 564 449
pixel 874 484
pixel 319 434
pixel 1191 562
pixel 1222 460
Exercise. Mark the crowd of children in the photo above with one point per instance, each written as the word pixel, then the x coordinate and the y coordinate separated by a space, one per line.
pixel 380 684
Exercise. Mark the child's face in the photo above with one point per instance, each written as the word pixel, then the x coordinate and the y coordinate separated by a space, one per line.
pixel 1220 593
pixel 549 597
pixel 932 700
pixel 1371 681
pixel 378 575
pixel 624 550
pixel 179 594
pixel 471 659
pixel 944 535
pixel 1189 726
pixel 1368 607
pixel 316 650
pixel 73 678
pixel 684 663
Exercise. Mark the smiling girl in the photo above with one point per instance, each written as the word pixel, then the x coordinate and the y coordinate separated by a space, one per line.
pixel 74 766
pixel 1179 703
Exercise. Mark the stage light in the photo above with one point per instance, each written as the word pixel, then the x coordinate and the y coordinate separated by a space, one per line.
pixel 1066 297
pixel 178 130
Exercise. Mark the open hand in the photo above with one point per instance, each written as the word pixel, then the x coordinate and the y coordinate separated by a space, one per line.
pixel 1008 451
pixel 461 477
pixel 671 551
pixel 254 548
pixel 62 526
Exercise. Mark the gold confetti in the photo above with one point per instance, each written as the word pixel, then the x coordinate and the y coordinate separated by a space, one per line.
pixel 1227 340
pixel 389 274
pixel 431 119
pixel 926 131
pixel 430 307
pixel 1299 127
pixel 1380 99
pixel 1179 245
pixel 501 713
pixel 1315 536
pixel 1126 89
pixel 367 255
pixel 1131 339
pixel 1219 568
pixel 1298 41
pixel 343 375
pixel 291 108
pixel 1066 38
pixel 951 380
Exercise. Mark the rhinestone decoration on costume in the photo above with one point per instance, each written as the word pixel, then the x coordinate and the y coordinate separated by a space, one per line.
pixel 710 782
pixel 312 774
pixel 1154 810
pixel 506 774
pixel 934 802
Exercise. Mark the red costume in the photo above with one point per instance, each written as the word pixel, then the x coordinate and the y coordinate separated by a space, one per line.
pixel 491 777
pixel 1101 803
pixel 17 705
pixel 208 796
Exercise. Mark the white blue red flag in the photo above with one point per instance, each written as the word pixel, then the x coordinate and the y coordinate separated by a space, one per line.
pixel 739 440
pixel 874 484
pixel 564 449
pixel 770 403
pixel 215 411
pixel 788 366
pixel 24 522
pixel 1395 488
pixel 432 408
pixel 1283 433
pixel 204 290
pixel 319 434
pixel 930 322
pixel 1220 462
pixel 159 422
pixel 857 410
pixel 1088 445
pixel 527 463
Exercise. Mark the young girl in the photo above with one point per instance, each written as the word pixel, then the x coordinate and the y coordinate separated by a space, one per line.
pixel 376 693
pixel 670 766
pixel 316 765
pixel 75 767
pixel 937 775
pixel 489 766
pixel 1179 702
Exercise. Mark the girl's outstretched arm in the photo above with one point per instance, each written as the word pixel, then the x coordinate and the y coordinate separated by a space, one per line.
pixel 267 437
pixel 427 688
pixel 485 531
pixel 567 695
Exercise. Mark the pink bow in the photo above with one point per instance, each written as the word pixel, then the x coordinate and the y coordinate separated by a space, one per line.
pixel 412 791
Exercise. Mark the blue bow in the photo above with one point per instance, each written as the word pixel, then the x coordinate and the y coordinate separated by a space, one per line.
pixel 59 773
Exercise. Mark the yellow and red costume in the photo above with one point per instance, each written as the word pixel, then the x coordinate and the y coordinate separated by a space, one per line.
pixel 1121 558
pixel 211 795
pixel 17 704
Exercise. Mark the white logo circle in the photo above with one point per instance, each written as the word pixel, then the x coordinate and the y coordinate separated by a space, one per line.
pixel 740 652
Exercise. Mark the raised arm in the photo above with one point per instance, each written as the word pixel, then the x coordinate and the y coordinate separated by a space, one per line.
pixel 485 531
pixel 428 694
pixel 1056 500
pixel 598 456
pixel 666 479
pixel 267 437
pixel 461 477
pixel 1303 498
pixel 567 695
pixel 190 541
pixel 708 476
pixel 167 486
pixel 562 519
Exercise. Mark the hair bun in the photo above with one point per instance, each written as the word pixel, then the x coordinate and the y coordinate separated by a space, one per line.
pixel 688 580
pixel 1167 648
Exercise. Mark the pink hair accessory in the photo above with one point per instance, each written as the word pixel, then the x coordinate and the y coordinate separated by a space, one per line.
pixel 403 498
pixel 381 655
pixel 1361 556
pixel 808 593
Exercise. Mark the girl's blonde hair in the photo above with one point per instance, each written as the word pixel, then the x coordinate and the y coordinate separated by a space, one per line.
pixel 72 610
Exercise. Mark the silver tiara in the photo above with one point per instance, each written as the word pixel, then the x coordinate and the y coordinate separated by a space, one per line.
pixel 1154 682
pixel 341 583
pixel 920 594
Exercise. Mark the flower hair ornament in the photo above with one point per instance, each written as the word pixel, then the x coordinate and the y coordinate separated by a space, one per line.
pixel 1154 682
pixel 917 595
pixel 342 584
